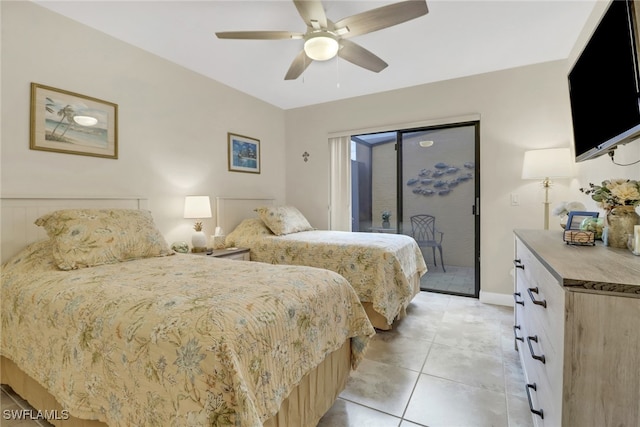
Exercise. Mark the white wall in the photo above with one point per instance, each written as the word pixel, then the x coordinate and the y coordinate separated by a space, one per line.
pixel 520 109
pixel 173 123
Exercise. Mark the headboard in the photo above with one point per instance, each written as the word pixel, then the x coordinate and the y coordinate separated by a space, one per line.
pixel 18 213
pixel 230 211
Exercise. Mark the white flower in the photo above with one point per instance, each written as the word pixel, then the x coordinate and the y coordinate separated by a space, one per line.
pixel 563 208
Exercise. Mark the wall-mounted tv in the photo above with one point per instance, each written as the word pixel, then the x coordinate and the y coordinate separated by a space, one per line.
pixel 604 84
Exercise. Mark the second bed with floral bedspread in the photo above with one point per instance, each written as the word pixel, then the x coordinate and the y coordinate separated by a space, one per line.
pixel 384 269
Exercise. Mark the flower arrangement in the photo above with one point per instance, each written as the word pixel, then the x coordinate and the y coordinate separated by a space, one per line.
pixel 615 192
pixel 386 215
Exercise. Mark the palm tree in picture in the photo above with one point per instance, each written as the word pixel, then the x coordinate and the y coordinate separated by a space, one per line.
pixel 65 113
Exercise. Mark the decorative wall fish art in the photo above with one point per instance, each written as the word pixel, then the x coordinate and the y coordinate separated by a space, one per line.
pixel 438 179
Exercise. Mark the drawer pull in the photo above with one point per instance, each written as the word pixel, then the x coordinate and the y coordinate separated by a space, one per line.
pixel 535 356
pixel 518 263
pixel 515 333
pixel 515 297
pixel 540 412
pixel 542 302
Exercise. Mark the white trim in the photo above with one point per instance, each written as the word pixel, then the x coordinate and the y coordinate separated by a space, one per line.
pixel 402 126
pixel 18 213
pixel 496 299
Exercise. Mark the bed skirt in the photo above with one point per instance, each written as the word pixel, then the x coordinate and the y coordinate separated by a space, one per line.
pixel 304 406
pixel 378 320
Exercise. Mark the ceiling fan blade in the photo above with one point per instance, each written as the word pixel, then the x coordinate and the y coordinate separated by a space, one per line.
pixel 383 17
pixel 310 11
pixel 299 64
pixel 360 56
pixel 258 35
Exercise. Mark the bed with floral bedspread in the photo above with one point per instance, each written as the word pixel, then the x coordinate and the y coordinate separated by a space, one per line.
pixel 174 340
pixel 384 269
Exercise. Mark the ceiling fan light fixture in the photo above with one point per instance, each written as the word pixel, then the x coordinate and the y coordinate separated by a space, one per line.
pixel 321 46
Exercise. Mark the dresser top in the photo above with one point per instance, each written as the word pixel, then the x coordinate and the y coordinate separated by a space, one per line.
pixel 596 268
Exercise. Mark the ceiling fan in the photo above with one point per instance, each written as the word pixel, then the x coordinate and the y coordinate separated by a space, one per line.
pixel 325 39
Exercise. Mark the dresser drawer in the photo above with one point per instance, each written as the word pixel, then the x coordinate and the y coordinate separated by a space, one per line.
pixel 543 297
pixel 539 317
pixel 544 409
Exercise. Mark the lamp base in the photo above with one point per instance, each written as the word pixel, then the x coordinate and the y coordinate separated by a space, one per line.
pixel 199 242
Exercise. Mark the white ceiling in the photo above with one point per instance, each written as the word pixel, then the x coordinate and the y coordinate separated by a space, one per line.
pixel 455 39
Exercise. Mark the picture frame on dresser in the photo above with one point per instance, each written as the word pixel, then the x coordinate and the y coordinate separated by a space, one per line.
pixel 576 217
pixel 243 153
pixel 68 122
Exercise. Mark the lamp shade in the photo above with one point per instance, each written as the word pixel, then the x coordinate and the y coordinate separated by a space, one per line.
pixel 548 163
pixel 321 46
pixel 197 207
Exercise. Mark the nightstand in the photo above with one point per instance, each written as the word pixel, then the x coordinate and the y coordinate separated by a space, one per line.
pixel 241 254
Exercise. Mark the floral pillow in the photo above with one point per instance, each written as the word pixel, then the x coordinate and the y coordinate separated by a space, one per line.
pixel 246 232
pixel 89 237
pixel 283 219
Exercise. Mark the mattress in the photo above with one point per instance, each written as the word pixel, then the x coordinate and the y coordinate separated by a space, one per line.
pixel 178 340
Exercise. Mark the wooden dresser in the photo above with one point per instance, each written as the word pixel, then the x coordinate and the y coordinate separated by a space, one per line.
pixel 577 331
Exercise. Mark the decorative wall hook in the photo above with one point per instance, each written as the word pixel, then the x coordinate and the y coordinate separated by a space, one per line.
pixel 305 155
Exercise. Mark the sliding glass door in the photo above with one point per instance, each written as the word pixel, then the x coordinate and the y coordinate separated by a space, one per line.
pixel 425 182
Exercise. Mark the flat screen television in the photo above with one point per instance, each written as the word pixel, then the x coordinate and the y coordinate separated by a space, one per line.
pixel 604 85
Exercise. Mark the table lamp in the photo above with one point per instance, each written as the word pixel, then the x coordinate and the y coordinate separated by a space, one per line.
pixel 544 165
pixel 197 207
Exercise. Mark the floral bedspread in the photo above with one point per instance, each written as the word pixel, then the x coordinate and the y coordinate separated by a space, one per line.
pixel 379 266
pixel 179 340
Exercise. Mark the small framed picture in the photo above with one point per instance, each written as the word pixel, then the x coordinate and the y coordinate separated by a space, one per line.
pixel 243 153
pixel 576 218
pixel 67 122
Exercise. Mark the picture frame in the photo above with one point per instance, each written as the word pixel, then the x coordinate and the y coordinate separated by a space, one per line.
pixel 576 218
pixel 71 123
pixel 243 153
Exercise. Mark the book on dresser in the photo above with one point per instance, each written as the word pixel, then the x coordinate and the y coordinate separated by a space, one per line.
pixel 577 331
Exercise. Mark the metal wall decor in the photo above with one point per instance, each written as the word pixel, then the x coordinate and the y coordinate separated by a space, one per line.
pixel 442 180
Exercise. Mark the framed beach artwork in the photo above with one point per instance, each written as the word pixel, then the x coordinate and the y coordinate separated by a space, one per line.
pixel 67 122
pixel 243 153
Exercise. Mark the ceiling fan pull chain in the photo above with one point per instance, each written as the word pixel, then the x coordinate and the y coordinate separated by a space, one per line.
pixel 337 73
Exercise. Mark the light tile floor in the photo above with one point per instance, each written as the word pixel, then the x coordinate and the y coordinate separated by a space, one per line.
pixel 450 362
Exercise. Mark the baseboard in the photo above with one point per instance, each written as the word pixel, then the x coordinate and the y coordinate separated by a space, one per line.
pixel 497 299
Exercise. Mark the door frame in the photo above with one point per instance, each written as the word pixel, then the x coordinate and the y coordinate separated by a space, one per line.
pixel 475 208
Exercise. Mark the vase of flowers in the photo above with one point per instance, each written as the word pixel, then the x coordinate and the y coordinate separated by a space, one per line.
pixel 619 198
pixel 385 219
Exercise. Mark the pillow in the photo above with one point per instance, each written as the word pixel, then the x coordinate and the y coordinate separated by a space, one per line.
pixel 89 237
pixel 283 219
pixel 246 232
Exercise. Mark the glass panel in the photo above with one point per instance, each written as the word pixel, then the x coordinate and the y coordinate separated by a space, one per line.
pixel 374 182
pixel 438 197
